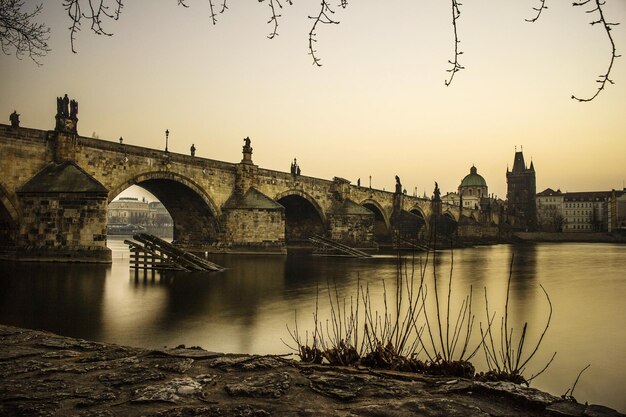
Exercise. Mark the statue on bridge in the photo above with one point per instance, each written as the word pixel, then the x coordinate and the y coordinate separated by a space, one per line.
pixel 67 115
pixel 295 168
pixel 14 118
pixel 193 150
pixel 436 193
pixel 247 151
pixel 63 104
pixel 73 109
pixel 398 185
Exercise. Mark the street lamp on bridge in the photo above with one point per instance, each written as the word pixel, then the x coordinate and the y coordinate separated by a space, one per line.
pixel 167 135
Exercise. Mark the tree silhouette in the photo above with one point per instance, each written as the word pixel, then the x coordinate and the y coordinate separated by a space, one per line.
pixel 20 35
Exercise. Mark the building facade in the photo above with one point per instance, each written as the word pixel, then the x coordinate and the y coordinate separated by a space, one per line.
pixel 580 212
pixel 131 210
pixel 159 216
pixel 586 211
pixel 521 194
pixel 473 189
pixel 550 210
pixel 617 211
pixel 451 199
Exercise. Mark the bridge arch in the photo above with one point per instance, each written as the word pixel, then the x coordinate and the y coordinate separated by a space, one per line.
pixel 452 214
pixel 305 196
pixel 171 176
pixel 417 210
pixel 448 223
pixel 303 216
pixel 378 209
pixel 381 219
pixel 195 214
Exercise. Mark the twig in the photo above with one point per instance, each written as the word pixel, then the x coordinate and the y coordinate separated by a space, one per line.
pixel 456 66
pixel 571 390
pixel 99 10
pixel 324 17
pixel 539 9
pixel 603 78
pixel 213 16
pixel 274 17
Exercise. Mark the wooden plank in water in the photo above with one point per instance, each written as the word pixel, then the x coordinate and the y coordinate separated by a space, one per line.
pixel 151 252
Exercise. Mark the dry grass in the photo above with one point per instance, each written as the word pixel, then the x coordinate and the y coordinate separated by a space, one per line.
pixel 417 329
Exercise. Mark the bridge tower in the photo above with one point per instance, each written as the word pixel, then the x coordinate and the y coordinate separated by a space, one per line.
pixel 521 194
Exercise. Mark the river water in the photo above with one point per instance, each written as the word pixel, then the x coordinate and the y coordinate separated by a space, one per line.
pixel 246 308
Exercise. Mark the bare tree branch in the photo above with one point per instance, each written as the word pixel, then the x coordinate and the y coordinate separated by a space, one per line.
pixel 19 35
pixel 213 15
pixel 541 8
pixel 602 78
pixel 275 16
pixel 323 17
pixel 98 10
pixel 456 66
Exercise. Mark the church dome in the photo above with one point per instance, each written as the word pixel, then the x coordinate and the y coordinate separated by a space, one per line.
pixel 473 179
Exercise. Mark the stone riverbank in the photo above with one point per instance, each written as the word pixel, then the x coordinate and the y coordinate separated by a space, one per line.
pixel 43 374
pixel 570 237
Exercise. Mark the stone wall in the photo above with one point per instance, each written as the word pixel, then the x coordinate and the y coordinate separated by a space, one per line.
pixel 254 228
pixel 478 231
pixel 65 226
pixel 352 229
pixel 118 166
pixel 23 153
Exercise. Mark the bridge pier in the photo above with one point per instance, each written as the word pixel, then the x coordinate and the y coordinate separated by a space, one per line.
pixel 63 217
pixel 253 222
pixel 347 222
pixel 351 224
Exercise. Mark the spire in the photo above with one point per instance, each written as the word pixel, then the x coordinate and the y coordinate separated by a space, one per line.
pixel 518 164
pixel 532 167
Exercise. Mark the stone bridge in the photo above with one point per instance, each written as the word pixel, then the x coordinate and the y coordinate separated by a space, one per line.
pixel 55 187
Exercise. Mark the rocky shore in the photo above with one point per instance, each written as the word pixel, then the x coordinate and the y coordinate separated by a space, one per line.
pixel 43 374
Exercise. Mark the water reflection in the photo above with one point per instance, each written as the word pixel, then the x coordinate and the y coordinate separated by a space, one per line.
pixel 65 299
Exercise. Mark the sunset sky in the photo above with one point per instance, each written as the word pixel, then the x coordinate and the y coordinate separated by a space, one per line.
pixel 378 106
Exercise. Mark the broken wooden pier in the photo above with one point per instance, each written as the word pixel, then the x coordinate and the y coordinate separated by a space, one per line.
pixel 149 252
pixel 330 246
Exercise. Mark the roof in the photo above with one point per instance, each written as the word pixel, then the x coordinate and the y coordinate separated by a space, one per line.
pixel 587 196
pixel 473 179
pixel 549 192
pixel 252 199
pixel 66 177
pixel 518 164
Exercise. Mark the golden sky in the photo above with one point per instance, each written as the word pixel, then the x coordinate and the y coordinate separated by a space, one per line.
pixel 378 106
